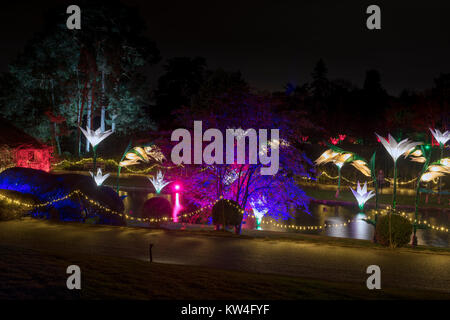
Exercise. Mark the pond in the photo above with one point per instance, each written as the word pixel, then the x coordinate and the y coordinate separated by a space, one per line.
pixel 321 214
pixel 359 229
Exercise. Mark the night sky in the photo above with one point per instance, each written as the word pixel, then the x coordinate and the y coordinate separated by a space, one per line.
pixel 275 42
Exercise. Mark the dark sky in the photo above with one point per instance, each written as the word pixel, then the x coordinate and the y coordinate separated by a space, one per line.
pixel 275 42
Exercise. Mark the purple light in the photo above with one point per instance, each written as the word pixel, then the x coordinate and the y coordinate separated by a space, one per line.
pixel 177 187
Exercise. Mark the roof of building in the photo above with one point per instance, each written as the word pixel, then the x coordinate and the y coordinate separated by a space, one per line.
pixel 14 137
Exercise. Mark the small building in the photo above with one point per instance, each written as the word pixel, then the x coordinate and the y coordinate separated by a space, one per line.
pixel 18 149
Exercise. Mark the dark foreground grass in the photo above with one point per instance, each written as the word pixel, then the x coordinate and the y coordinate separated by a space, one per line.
pixel 30 274
pixel 307 238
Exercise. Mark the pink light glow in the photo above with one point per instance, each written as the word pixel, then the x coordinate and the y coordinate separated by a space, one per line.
pixel 177 207
pixel 334 140
pixel 177 187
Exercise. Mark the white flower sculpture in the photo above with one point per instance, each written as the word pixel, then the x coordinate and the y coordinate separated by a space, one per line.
pixel 99 177
pixel 95 137
pixel 159 183
pixel 441 137
pixel 397 149
pixel 361 194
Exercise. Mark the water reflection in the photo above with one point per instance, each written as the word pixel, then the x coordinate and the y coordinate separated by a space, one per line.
pixel 321 214
pixel 359 229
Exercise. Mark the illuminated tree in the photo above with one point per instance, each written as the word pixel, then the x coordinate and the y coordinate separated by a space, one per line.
pixel 244 183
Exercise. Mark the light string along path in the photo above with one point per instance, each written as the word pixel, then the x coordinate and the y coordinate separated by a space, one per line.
pixel 186 215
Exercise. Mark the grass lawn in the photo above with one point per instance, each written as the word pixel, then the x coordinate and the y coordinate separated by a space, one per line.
pixel 308 238
pixel 30 274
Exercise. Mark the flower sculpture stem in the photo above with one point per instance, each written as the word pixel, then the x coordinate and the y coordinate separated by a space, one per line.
pixel 94 149
pixel 416 209
pixel 339 182
pixel 119 168
pixel 441 146
pixel 374 179
pixel 394 196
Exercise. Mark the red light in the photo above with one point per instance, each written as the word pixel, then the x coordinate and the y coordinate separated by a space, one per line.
pixel 177 187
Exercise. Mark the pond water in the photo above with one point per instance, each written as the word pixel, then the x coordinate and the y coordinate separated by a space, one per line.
pixel 359 229
pixel 321 214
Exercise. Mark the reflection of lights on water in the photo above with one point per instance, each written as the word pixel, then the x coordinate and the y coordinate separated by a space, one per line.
pixel 335 231
pixel 360 228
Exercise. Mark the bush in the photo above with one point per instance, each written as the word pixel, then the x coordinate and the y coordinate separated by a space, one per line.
pixel 401 230
pixel 47 187
pixel 227 213
pixel 156 207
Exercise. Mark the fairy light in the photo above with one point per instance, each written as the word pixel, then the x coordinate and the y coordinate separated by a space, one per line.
pixel 112 162
pixel 410 218
pixel 210 205
pixel 324 173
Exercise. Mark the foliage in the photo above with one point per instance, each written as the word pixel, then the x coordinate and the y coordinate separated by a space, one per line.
pixel 61 82
pixel 227 213
pixel 401 230
pixel 243 182
pixel 156 207
pixel 46 187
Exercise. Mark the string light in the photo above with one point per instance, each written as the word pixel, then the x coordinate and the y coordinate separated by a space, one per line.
pixel 324 173
pixel 186 215
pixel 408 215
pixel 307 227
pixel 112 162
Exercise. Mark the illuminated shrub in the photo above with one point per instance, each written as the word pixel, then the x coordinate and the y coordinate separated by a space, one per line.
pixel 401 230
pixel 227 213
pixel 156 207
pixel 47 187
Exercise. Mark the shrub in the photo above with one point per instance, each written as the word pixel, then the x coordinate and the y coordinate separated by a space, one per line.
pixel 227 212
pixel 46 187
pixel 401 230
pixel 156 207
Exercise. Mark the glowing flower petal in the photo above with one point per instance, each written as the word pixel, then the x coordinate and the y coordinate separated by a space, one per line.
pixel 159 183
pixel 441 137
pixel 397 149
pixel 95 137
pixel 99 177
pixel 361 194
pixel 431 176
pixel 362 167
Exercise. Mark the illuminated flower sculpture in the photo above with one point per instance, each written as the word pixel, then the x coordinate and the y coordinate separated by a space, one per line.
pixel 419 153
pixel 94 138
pixel 159 183
pixel 417 156
pixel 442 138
pixel 133 156
pixel 142 154
pixel 437 170
pixel 259 211
pixel 396 149
pixel 99 177
pixel 339 157
pixel 361 195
